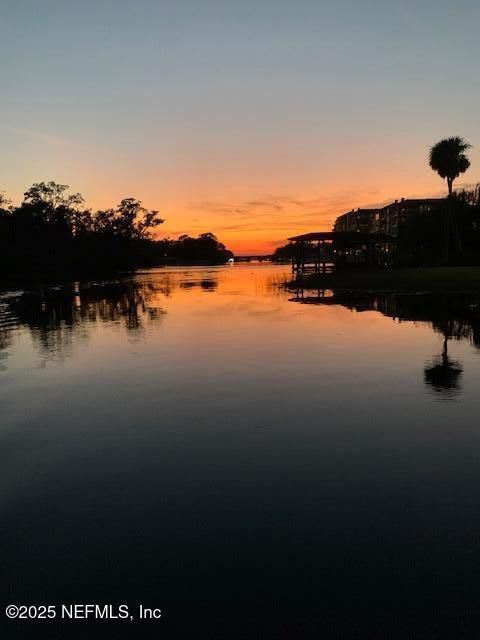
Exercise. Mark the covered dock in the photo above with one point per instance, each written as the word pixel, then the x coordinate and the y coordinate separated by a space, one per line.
pixel 325 251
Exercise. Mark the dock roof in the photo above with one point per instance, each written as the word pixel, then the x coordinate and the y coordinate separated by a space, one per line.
pixel 343 237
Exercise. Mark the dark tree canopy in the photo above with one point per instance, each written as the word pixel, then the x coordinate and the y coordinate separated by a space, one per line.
pixel 449 160
pixel 129 220
pixel 52 195
pixel 52 232
pixel 205 249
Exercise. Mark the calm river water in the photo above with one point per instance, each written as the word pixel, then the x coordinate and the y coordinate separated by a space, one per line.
pixel 254 462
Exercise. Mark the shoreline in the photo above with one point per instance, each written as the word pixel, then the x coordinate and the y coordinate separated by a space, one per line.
pixel 415 279
pixel 47 277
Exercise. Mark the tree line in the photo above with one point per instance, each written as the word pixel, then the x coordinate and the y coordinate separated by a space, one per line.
pixel 51 231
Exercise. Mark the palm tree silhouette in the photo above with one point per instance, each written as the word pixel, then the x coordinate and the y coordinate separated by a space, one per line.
pixel 448 159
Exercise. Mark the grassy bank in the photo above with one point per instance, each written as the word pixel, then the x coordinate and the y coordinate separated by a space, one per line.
pixel 444 279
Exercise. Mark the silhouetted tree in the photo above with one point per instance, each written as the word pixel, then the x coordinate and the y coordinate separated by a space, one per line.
pixel 129 220
pixel 49 203
pixel 448 159
pixel 5 204
pixel 206 249
pixel 51 195
pixel 285 253
pixel 51 232
pixel 469 196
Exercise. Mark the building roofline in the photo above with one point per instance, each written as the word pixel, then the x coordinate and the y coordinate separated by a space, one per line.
pixel 404 201
pixel 343 236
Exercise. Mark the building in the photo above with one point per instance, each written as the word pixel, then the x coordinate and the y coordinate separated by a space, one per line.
pixel 387 219
pixel 324 251
pixel 410 231
pixel 355 220
pixel 390 219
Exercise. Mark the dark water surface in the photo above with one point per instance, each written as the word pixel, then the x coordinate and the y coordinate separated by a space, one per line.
pixel 254 462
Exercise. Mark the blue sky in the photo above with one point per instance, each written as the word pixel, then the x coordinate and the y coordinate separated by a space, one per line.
pixel 199 108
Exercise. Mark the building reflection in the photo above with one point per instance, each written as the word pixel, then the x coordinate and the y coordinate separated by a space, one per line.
pixel 454 317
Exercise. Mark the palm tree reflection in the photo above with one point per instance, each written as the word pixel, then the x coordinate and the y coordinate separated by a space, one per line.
pixel 455 317
pixel 442 374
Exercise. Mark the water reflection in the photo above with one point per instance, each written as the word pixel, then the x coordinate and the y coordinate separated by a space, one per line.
pixel 444 374
pixel 56 318
pixel 207 284
pixel 197 439
pixel 59 316
pixel 455 317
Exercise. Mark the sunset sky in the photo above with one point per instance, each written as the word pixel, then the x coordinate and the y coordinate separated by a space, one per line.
pixel 253 119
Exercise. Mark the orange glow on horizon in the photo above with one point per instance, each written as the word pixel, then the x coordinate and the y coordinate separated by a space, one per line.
pixel 252 226
pixel 254 212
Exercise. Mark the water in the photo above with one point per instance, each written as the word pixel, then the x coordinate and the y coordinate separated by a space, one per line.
pixel 255 462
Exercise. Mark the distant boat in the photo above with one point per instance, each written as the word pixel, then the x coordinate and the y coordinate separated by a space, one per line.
pixel 230 260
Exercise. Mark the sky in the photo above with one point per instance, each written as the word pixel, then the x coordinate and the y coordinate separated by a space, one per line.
pixel 254 119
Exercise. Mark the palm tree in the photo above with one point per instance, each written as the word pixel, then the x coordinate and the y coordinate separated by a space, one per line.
pixel 448 159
